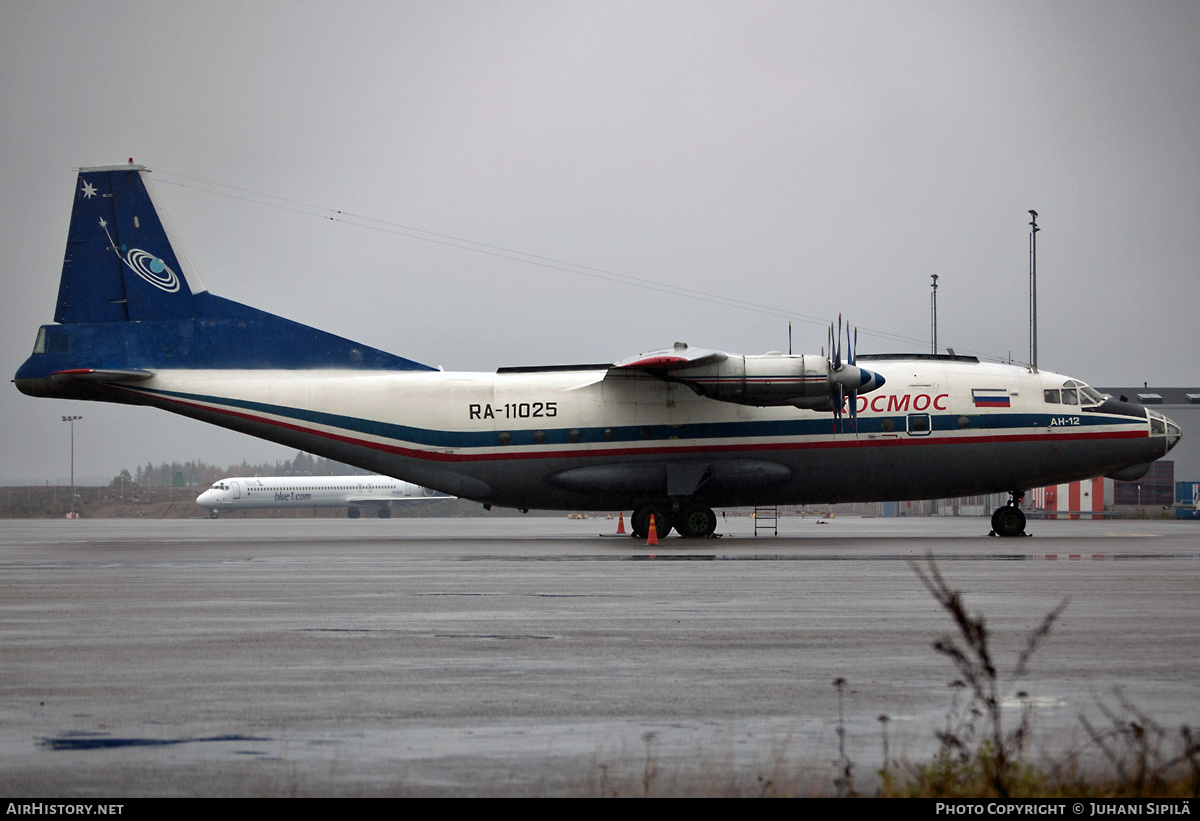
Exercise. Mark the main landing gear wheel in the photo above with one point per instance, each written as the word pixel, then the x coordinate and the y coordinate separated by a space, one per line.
pixel 352 513
pixel 384 513
pixel 697 523
pixel 1008 521
pixel 639 522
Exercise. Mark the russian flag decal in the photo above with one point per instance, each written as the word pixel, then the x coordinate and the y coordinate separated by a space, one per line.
pixel 990 397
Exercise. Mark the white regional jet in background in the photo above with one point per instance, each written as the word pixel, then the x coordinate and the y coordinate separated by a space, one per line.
pixel 353 492
pixel 671 433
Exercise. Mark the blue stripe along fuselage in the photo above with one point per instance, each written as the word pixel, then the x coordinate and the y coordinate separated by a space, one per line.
pixel 802 432
pixel 1019 449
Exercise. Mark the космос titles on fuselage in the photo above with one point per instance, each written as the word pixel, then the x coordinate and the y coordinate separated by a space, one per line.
pixel 671 433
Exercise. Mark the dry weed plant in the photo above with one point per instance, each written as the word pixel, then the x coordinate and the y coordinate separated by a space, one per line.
pixel 997 756
pixel 977 756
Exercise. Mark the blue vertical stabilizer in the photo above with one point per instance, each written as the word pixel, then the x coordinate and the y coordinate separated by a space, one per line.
pixel 121 262
pixel 130 298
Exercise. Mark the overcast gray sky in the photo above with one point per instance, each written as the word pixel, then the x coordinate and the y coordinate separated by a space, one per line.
pixel 808 157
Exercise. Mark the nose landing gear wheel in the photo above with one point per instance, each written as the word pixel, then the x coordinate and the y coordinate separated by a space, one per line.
pixel 1008 521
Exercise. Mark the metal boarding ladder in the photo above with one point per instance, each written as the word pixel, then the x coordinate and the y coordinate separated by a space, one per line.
pixel 766 519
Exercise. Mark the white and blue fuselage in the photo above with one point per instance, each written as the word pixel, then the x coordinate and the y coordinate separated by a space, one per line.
pixel 566 439
pixel 670 433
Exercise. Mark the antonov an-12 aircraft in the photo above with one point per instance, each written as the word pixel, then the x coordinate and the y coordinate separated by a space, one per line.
pixel 355 493
pixel 671 433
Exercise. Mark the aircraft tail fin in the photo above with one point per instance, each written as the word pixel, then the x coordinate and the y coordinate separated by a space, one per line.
pixel 130 299
pixel 123 260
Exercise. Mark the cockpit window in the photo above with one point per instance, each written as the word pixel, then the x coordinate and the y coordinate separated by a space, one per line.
pixel 1073 392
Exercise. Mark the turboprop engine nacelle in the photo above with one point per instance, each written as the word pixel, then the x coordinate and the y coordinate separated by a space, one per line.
pixel 772 379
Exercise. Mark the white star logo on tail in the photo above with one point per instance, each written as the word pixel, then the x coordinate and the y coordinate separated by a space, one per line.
pixel 88 190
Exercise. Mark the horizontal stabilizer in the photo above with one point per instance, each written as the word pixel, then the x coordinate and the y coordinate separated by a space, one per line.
pixel 96 375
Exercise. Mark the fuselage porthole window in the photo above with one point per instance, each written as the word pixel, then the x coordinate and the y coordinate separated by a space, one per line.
pixel 918 424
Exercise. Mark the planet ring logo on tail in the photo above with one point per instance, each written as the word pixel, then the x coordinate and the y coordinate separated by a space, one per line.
pixel 146 265
pixel 152 269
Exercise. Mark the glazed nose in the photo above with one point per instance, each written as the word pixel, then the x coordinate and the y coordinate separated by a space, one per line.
pixel 1164 427
pixel 1174 433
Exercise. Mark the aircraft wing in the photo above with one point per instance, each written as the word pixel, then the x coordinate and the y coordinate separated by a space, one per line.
pixel 376 501
pixel 655 363
pixel 680 356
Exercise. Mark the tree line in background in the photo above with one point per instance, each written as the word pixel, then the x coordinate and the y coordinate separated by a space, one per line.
pixel 198 473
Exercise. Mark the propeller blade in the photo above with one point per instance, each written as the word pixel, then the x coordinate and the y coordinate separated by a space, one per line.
pixel 845 382
pixel 839 343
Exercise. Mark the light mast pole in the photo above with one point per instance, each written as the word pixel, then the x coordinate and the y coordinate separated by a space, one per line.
pixel 72 419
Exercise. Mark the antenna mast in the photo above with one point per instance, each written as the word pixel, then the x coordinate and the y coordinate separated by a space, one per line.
pixel 1033 229
pixel 933 316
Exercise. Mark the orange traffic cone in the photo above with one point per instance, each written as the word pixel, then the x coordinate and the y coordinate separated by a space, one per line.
pixel 652 538
pixel 621 523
